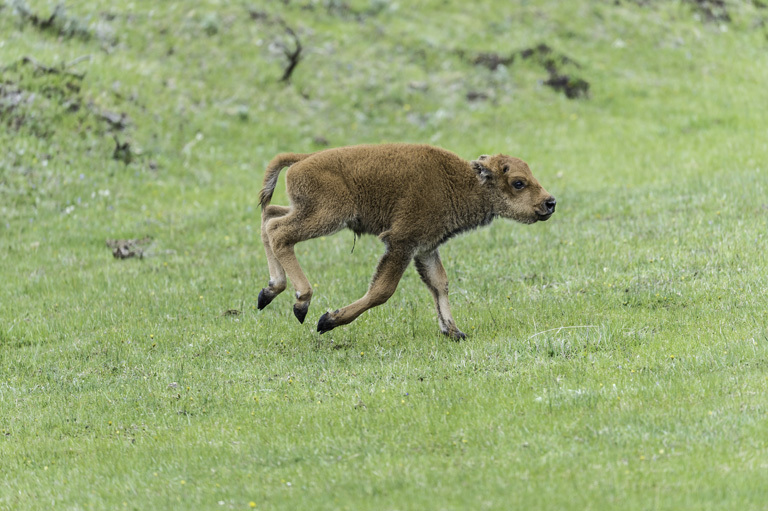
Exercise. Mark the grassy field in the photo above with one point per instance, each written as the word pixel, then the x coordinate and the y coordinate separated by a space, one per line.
pixel 617 355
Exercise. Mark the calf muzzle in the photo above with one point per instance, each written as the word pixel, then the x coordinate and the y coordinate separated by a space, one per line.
pixel 547 208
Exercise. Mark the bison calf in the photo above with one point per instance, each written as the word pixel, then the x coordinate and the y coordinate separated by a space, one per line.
pixel 413 197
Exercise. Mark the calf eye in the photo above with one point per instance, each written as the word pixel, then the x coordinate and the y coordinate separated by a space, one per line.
pixel 519 185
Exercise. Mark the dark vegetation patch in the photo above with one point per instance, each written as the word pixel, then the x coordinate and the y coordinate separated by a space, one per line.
pixel 572 86
pixel 709 10
pixel 122 151
pixel 320 141
pixel 342 9
pixel 475 95
pixel 289 45
pixel 125 249
pixel 36 97
pixel 291 51
pixel 493 60
pixel 33 95
pixel 58 23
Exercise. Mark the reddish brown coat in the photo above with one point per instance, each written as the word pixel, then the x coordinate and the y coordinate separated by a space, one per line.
pixel 413 197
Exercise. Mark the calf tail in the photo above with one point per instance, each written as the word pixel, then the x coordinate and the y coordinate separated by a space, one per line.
pixel 273 171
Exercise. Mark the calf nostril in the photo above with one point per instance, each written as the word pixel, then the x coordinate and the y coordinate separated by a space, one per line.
pixel 550 204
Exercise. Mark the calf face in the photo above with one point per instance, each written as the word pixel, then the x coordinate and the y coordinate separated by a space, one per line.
pixel 522 197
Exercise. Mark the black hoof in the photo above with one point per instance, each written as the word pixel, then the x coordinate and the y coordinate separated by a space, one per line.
pixel 325 323
pixel 265 298
pixel 456 335
pixel 300 311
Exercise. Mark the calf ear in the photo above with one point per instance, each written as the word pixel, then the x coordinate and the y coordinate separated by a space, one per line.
pixel 483 172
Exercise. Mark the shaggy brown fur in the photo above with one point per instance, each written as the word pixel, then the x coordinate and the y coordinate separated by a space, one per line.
pixel 413 197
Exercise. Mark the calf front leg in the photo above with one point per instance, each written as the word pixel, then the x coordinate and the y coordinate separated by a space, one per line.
pixel 391 267
pixel 433 274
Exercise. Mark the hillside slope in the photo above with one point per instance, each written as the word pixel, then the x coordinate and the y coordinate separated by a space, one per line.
pixel 616 354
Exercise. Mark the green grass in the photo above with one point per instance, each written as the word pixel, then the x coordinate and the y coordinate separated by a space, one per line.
pixel 618 354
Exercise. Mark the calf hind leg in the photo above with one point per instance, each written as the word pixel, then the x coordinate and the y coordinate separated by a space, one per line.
pixel 433 274
pixel 283 233
pixel 277 280
pixel 388 273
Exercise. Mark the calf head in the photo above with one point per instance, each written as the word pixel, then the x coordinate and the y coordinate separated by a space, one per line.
pixel 516 193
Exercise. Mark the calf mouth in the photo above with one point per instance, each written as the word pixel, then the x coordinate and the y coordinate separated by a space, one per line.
pixel 544 217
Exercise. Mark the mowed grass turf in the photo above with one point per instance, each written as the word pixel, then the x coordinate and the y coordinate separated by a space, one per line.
pixel 617 355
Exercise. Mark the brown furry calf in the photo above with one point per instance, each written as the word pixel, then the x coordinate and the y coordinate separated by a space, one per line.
pixel 413 197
